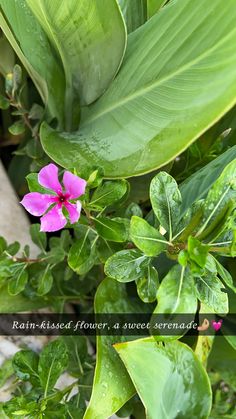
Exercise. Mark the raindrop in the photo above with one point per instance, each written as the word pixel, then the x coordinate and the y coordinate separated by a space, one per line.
pixel 104 385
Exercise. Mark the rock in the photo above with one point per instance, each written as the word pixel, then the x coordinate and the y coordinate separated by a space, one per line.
pixel 14 224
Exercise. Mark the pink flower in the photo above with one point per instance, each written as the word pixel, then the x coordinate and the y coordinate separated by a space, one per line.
pixel 37 203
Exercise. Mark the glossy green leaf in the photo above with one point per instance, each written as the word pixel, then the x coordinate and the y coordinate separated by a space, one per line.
pixel 133 209
pixel 16 78
pixel 81 255
pixel 112 387
pixel 166 201
pixel 53 361
pixel 27 37
pixel 176 292
pixel 34 149
pixel 17 128
pixel 7 56
pixel 19 280
pixel 77 352
pixel 190 221
pixel 171 382
pixel 25 364
pixel 231 339
pixel 154 6
pixel 105 249
pixel 45 281
pixel 148 285
pixel 112 229
pixel 13 248
pixel 33 185
pixel 20 407
pixel 210 291
pixel 108 193
pixel 196 186
pixel 76 406
pixel 172 86
pixel 55 255
pixel 127 265
pixel 197 251
pixel 79 252
pixel 219 199
pixel 134 12
pixel 146 238
pixel 3 244
pixel 38 237
pixel 36 112
pixel 225 275
pixel 95 178
pixel 90 39
pixel 5 268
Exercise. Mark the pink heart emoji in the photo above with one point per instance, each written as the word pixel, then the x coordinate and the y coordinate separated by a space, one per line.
pixel 217 325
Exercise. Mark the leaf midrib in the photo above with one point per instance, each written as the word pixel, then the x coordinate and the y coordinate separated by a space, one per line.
pixel 107 226
pixel 153 85
pixel 49 376
pixel 101 197
pixel 136 236
pixel 81 247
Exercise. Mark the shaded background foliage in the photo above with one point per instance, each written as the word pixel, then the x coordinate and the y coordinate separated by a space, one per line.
pixel 164 96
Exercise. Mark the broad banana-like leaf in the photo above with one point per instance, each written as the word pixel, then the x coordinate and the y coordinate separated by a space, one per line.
pixel 153 6
pixel 134 12
pixel 112 386
pixel 178 78
pixel 35 52
pixel 90 38
pixel 170 379
pixel 198 184
pixel 7 56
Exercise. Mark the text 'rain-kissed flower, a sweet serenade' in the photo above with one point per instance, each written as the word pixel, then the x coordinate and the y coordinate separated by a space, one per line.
pixel 37 203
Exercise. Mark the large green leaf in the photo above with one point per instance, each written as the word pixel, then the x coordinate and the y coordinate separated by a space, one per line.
pixel 134 12
pixel 148 285
pixel 220 198
pixel 108 193
pixel 53 361
pixel 224 274
pixel 171 382
pixel 127 265
pixel 90 38
pixel 154 5
pixel 197 185
pixel 176 292
pixel 7 57
pixel 146 238
pixel 166 201
pixel 35 52
pixel 112 387
pixel 178 78
pixel 211 292
pixel 115 230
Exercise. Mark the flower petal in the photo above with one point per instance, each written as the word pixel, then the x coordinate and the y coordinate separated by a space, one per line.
pixel 48 177
pixel 54 219
pixel 73 210
pixel 37 203
pixel 74 185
